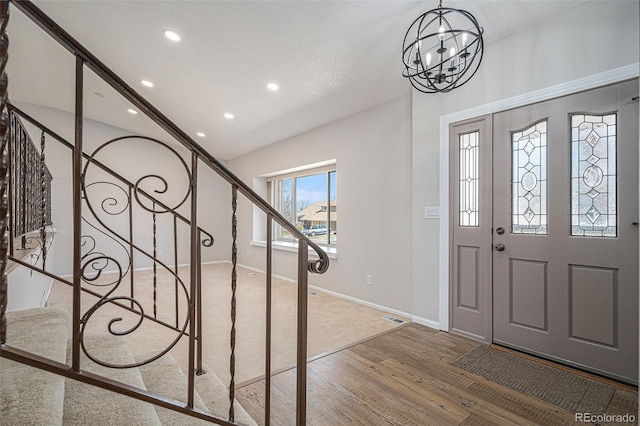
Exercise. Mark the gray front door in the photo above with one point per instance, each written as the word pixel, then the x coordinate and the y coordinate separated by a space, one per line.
pixel 565 231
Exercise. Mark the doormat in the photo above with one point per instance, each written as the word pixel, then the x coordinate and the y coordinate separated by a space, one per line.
pixel 563 389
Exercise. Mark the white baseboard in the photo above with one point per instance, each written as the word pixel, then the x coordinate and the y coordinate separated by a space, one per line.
pixel 260 271
pixel 426 322
pixel 148 268
pixel 418 320
pixel 45 297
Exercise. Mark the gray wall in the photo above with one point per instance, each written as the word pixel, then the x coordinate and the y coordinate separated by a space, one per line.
pixel 372 150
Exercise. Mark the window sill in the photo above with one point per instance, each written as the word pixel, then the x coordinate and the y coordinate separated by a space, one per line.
pixel 293 247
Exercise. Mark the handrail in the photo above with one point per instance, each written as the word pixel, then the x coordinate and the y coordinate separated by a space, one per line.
pixel 65 39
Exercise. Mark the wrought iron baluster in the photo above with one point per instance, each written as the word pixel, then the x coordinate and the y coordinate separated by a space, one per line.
pixel 23 193
pixel 267 372
pixel 234 277
pixel 10 179
pixel 175 266
pixel 301 365
pixel 43 202
pixel 131 261
pixel 4 190
pixel 199 370
pixel 77 215
pixel 155 268
pixel 194 278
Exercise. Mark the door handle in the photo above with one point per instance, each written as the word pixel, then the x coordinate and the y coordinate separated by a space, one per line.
pixel 499 247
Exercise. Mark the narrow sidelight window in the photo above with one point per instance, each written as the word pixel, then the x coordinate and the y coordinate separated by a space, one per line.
pixel 469 179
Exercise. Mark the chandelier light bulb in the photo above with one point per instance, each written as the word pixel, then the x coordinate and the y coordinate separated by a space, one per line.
pixel 465 37
pixel 428 58
pixel 452 52
pixel 441 33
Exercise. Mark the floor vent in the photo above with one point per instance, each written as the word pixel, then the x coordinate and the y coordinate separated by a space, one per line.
pixel 313 293
pixel 394 319
pixel 253 274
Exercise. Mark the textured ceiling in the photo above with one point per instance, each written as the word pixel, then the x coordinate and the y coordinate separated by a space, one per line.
pixel 330 59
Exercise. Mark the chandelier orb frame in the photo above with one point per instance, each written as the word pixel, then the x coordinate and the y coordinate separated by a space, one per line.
pixel 442 49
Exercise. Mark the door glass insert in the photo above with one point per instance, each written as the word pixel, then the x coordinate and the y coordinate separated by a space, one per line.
pixel 469 179
pixel 529 180
pixel 593 175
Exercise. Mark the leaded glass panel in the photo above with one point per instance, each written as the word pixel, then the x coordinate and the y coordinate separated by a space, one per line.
pixel 593 175
pixel 469 179
pixel 529 180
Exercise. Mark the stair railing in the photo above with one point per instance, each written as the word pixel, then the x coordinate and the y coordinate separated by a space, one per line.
pixel 29 181
pixel 94 260
pixel 199 156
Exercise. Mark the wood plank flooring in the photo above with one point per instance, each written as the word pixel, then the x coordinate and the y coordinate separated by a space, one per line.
pixel 404 378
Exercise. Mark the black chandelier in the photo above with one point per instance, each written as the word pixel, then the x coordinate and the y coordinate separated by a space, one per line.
pixel 442 50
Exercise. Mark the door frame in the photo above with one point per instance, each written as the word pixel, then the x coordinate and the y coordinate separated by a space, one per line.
pixel 591 82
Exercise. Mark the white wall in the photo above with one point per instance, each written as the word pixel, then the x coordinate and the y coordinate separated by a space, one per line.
pixel 373 151
pixel 592 38
pixel 132 160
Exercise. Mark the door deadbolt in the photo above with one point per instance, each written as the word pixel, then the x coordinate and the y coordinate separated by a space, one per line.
pixel 499 247
pixel 500 230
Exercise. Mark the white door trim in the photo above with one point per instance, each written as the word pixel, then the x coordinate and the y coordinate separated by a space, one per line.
pixel 608 77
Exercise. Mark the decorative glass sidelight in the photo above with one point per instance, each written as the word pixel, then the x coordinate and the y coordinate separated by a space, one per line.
pixel 469 179
pixel 593 175
pixel 529 180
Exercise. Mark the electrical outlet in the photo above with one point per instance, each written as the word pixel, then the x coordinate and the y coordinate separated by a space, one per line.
pixel 368 279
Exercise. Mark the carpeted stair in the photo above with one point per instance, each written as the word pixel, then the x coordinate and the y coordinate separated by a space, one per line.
pixel 30 396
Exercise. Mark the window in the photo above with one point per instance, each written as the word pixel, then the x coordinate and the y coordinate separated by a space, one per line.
pixel 308 199
pixel 593 175
pixel 469 179
pixel 529 180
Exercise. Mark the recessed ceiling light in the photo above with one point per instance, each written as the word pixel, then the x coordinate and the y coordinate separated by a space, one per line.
pixel 146 83
pixel 228 115
pixel 132 111
pixel 272 87
pixel 200 134
pixel 172 35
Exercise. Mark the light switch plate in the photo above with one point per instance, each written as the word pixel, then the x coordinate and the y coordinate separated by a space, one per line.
pixel 432 212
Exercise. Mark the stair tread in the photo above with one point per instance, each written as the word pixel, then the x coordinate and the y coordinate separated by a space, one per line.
pixel 29 396
pixel 164 377
pixel 215 395
pixel 88 405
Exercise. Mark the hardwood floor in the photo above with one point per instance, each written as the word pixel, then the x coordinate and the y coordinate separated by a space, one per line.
pixel 404 378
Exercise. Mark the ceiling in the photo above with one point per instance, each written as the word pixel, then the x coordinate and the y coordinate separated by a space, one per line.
pixel 331 59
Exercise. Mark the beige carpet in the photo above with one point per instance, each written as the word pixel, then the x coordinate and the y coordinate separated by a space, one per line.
pixel 28 396
pixel 333 323
pixel 558 387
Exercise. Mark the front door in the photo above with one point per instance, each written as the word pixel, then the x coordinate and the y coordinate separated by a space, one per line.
pixel 565 229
